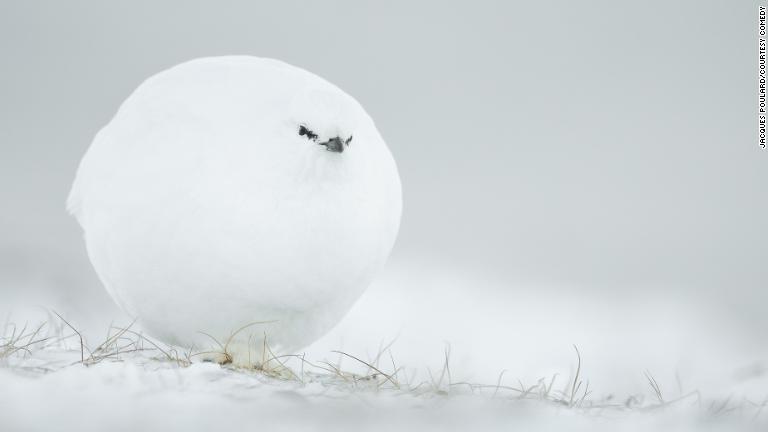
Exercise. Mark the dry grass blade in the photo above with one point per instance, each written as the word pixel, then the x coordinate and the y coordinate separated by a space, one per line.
pixel 654 386
pixel 335 370
pixel 549 387
pixel 223 352
pixel 265 365
pixel 236 332
pixel 21 341
pixel 382 349
pixel 83 347
pixel 113 338
pixel 446 366
pixel 389 378
pixel 576 383
pixel 156 346
pixel 498 383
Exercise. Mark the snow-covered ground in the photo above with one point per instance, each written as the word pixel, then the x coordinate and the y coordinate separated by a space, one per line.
pixel 511 364
pixel 136 394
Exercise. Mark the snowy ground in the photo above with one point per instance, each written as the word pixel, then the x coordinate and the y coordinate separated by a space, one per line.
pixel 52 390
pixel 645 365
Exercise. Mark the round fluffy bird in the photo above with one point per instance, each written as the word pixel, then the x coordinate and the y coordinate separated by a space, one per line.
pixel 237 198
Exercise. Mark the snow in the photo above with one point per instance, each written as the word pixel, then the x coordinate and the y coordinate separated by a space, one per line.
pixel 720 385
pixel 139 394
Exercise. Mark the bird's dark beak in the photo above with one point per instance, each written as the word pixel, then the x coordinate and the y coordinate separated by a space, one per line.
pixel 334 145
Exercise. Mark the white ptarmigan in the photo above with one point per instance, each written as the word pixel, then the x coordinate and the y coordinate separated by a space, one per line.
pixel 236 197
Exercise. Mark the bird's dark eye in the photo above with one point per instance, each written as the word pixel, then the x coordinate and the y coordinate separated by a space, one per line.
pixel 348 140
pixel 303 131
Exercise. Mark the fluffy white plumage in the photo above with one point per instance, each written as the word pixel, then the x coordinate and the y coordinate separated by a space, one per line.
pixel 217 197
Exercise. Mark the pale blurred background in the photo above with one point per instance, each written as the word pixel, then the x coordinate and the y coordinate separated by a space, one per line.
pixel 574 172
